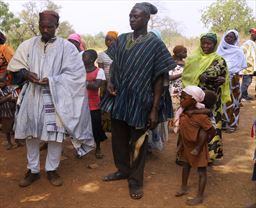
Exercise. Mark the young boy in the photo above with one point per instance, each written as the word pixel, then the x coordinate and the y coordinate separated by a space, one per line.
pixel 190 126
pixel 210 99
pixel 95 78
pixel 8 98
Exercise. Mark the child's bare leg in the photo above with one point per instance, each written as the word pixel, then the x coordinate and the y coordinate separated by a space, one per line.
pixel 98 153
pixel 185 175
pixel 202 138
pixel 202 172
pixel 9 142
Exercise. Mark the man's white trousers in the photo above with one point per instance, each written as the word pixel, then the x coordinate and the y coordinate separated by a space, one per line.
pixel 33 155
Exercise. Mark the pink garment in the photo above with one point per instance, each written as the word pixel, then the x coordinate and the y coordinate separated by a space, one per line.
pixel 75 37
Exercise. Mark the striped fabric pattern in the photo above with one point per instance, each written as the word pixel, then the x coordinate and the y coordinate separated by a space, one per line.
pixel 135 69
pixel 50 114
pixel 104 59
pixel 7 109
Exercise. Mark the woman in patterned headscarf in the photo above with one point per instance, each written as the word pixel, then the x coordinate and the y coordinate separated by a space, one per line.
pixel 206 69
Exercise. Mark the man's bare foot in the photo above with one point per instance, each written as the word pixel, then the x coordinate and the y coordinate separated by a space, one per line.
pixel 194 201
pixel 182 192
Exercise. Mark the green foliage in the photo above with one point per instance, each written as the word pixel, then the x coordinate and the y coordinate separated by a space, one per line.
pixel 96 42
pixel 168 27
pixel 25 26
pixel 228 14
pixel 64 29
pixel 29 19
pixel 7 18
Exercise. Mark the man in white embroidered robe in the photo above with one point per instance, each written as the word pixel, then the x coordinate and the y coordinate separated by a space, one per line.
pixel 54 101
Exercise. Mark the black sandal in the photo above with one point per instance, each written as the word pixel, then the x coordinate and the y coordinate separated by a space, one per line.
pixel 136 192
pixel 115 176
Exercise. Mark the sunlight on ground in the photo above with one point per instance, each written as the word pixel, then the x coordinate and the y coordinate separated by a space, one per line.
pixel 231 169
pixel 35 198
pixel 89 187
pixel 241 164
pixel 6 174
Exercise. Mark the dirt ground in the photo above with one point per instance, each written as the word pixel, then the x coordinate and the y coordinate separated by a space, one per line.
pixel 229 181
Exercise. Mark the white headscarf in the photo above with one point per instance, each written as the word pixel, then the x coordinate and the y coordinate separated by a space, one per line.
pixel 233 54
pixel 198 94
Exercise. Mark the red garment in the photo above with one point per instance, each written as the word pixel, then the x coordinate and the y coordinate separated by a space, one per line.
pixel 93 95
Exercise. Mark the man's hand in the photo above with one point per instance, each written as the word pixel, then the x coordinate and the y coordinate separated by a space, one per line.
pixel 44 81
pixel 111 88
pixel 30 76
pixel 153 118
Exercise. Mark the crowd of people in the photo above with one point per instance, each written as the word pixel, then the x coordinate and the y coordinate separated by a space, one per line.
pixel 54 88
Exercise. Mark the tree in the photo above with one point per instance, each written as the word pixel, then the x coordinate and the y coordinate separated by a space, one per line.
pixel 6 17
pixel 168 27
pixel 97 42
pixel 228 14
pixel 65 29
pixel 29 19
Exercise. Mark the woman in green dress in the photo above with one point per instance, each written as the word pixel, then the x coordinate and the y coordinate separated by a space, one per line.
pixel 206 69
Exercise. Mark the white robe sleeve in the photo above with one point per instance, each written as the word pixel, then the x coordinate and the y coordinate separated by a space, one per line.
pixel 20 58
pixel 70 96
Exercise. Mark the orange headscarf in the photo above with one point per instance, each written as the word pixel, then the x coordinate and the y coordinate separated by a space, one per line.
pixel 113 34
pixel 7 52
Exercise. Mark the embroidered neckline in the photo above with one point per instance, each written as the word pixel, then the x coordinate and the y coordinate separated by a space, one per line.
pixel 130 42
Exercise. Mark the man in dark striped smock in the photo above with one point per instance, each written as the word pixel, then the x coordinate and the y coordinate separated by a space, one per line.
pixel 140 61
